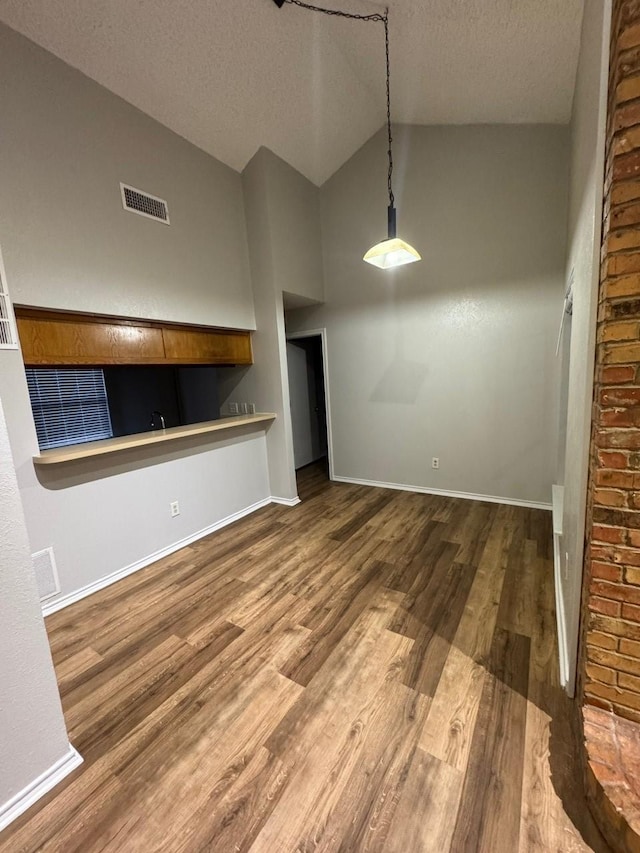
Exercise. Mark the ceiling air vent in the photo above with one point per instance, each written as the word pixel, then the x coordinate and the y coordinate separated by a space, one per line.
pixel 8 333
pixel 144 204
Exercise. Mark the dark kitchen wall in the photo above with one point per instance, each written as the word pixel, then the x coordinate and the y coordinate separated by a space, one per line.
pixel 183 395
pixel 135 392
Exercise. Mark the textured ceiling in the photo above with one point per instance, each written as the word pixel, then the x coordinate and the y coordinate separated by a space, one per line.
pixel 232 75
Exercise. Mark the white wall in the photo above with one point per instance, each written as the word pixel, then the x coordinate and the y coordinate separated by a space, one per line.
pixel 32 731
pixel 454 356
pixel 65 145
pixel 585 211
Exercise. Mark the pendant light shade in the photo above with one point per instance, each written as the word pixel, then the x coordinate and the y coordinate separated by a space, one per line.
pixel 392 252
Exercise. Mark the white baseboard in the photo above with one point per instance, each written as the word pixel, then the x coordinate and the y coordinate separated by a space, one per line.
pixel 39 787
pixel 563 648
pixel 286 501
pixel 445 494
pixel 83 592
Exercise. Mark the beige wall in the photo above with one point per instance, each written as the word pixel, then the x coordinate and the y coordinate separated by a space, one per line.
pixel 452 357
pixel 65 144
pixel 283 224
pixel 585 208
pixel 32 731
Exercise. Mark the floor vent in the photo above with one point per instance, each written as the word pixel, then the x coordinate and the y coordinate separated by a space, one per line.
pixel 44 565
pixel 8 333
pixel 144 204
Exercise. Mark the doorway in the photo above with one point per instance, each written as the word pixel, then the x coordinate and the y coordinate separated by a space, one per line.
pixel 306 362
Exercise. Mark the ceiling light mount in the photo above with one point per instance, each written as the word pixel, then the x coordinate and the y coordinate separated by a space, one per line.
pixel 392 252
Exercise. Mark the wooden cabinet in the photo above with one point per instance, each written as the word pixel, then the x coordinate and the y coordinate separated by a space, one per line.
pixel 61 338
pixel 190 346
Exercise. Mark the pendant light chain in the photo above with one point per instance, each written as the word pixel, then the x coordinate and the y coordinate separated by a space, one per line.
pixel 389 136
pixel 379 18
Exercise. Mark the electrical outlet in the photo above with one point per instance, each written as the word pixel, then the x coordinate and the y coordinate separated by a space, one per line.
pixel 175 508
pixel 435 462
pixel 233 408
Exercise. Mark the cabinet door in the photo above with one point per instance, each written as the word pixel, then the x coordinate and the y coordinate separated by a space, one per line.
pixel 191 346
pixel 62 341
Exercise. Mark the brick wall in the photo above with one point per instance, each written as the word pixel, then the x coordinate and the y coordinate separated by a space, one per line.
pixel 611 637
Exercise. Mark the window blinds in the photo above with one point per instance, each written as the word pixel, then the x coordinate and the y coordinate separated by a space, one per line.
pixel 69 406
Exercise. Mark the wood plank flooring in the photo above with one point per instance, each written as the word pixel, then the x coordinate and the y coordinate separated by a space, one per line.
pixel 371 670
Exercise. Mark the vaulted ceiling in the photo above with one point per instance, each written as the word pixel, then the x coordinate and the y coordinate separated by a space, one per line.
pixel 232 75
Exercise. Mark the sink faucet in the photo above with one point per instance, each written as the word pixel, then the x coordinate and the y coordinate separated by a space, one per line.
pixel 153 420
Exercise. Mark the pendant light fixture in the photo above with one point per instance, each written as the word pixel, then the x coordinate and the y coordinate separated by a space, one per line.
pixel 392 252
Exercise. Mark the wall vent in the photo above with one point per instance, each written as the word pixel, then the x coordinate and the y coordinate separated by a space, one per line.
pixel 44 566
pixel 144 204
pixel 8 332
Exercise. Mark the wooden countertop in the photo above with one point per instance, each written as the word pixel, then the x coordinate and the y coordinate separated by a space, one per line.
pixel 143 439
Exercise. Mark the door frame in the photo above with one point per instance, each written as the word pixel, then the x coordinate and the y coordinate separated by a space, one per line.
pixel 322 334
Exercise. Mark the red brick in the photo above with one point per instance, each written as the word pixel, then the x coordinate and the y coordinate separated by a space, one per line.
pixel 619 287
pixel 627 439
pixel 616 535
pixel 631 612
pixel 630 682
pixel 610 497
pixel 626 238
pixel 622 353
pixel 602 641
pixel 620 417
pixel 627 165
pixel 617 627
pixel 605 606
pixel 629 37
pixel 615 375
pixel 601 553
pixel 634 538
pixel 602 674
pixel 622 217
pixel 626 556
pixel 621 663
pixel 613 459
pixel 622 264
pixel 606 572
pixel 615 591
pixel 624 192
pixel 624 396
pixel 630 648
pixel 615 694
pixel 615 479
pixel 616 517
pixel 596 701
pixel 621 309
pixel 627 713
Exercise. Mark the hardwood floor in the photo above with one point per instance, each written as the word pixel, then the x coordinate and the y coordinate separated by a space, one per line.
pixel 371 670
